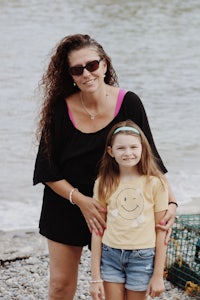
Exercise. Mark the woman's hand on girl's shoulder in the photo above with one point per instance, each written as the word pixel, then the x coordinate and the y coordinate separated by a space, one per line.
pixel 94 214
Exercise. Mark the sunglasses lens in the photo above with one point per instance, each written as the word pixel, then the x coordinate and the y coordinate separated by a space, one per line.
pixel 77 71
pixel 91 67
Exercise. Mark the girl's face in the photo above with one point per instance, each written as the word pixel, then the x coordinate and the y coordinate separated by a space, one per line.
pixel 126 150
pixel 88 81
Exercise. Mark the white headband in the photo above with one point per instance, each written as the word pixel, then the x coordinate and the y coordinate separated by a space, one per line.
pixel 126 128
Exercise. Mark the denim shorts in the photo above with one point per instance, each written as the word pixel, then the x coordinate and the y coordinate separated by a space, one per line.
pixel 134 268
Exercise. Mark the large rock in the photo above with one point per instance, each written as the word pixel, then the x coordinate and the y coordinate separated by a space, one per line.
pixel 20 244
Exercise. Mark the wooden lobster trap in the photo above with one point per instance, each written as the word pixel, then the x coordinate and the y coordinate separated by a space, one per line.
pixel 183 254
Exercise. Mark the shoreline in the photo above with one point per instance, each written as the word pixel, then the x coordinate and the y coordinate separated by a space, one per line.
pixel 191 207
pixel 22 242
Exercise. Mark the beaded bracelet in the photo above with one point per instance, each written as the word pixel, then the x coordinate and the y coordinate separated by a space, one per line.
pixel 172 202
pixel 70 195
pixel 96 281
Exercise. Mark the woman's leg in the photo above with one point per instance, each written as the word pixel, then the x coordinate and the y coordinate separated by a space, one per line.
pixel 64 262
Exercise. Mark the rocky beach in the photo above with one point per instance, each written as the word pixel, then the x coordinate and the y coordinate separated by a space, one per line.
pixel 24 269
pixel 155 50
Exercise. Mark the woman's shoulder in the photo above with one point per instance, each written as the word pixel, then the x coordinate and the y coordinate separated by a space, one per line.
pixel 60 104
pixel 132 107
pixel 60 114
pixel 60 108
pixel 132 98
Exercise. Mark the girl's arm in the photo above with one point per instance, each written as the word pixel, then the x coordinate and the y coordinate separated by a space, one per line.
pixel 96 286
pixel 156 284
pixel 89 207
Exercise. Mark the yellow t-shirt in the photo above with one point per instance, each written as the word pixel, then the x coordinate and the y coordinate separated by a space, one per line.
pixel 130 213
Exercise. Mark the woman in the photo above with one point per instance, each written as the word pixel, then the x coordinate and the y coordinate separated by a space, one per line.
pixel 82 101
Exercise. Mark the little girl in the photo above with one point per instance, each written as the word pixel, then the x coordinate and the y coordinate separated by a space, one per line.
pixel 128 259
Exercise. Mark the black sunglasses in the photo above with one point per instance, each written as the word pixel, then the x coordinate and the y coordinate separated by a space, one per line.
pixel 90 66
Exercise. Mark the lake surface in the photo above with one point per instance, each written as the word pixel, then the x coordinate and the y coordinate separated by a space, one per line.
pixel 155 49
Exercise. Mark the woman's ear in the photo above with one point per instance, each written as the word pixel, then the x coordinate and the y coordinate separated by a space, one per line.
pixel 109 150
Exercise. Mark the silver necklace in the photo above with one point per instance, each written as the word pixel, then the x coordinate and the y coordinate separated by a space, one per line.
pixel 92 117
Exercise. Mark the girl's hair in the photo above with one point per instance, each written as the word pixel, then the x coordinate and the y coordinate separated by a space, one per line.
pixel 57 83
pixel 109 174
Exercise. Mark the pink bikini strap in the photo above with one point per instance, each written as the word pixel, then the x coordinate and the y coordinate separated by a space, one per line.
pixel 120 98
pixel 70 115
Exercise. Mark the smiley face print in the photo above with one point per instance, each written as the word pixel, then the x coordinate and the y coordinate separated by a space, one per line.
pixel 129 204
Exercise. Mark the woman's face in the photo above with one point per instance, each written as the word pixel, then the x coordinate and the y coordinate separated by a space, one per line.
pixel 88 81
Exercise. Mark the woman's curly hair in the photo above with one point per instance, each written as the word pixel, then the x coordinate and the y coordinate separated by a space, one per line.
pixel 57 83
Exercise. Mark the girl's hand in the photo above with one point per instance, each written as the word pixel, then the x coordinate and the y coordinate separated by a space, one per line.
pixel 97 291
pixel 167 222
pixel 156 287
pixel 91 209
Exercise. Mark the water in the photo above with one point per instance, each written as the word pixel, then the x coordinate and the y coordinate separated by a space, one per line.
pixel 155 48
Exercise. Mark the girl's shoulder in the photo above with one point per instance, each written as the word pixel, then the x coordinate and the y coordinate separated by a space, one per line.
pixel 157 182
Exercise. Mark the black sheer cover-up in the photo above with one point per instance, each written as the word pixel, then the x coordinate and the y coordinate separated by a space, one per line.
pixel 75 157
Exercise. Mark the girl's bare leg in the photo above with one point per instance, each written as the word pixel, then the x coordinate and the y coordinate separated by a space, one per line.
pixel 114 291
pixel 130 295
